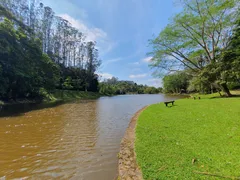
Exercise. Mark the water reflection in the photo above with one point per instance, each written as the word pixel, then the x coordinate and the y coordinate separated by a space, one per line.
pixel 20 109
pixel 78 140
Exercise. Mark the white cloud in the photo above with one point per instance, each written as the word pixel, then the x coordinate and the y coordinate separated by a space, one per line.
pixel 106 62
pixel 139 63
pixel 112 61
pixel 107 46
pixel 105 76
pixel 136 70
pixel 134 76
pixel 92 34
pixel 66 5
pixel 104 44
pixel 147 59
pixel 135 63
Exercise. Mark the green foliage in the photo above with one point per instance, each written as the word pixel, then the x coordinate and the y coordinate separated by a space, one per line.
pixel 230 60
pixel 193 36
pixel 234 85
pixel 30 61
pixel 78 79
pixel 114 86
pixel 66 95
pixel 68 83
pixel 176 83
pixel 193 136
pixel 24 69
pixel 107 89
pixel 50 72
pixel 18 61
pixel 195 39
pixel 151 90
pixel 226 71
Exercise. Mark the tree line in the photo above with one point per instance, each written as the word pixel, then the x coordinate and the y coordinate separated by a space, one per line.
pixel 40 52
pixel 199 48
pixel 114 86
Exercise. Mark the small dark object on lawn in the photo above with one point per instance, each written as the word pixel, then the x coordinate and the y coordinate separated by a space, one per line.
pixel 199 97
pixel 194 98
pixel 194 160
pixel 171 102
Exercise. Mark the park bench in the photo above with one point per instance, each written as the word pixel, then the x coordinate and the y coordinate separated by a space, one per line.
pixel 169 102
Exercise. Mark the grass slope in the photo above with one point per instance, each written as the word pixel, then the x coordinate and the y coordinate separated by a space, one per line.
pixel 196 139
pixel 57 95
pixel 70 95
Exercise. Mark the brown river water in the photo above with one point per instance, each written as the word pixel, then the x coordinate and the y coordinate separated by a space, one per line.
pixel 77 140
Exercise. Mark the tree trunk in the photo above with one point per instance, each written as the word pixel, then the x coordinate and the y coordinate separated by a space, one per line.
pixel 226 90
pixel 211 88
pixel 219 92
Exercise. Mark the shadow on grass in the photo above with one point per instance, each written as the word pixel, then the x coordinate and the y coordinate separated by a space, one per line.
pixel 171 106
pixel 220 97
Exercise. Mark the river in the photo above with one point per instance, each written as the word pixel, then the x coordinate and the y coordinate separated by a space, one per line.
pixel 77 140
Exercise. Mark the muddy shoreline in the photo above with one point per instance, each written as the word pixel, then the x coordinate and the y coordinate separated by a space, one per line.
pixel 127 164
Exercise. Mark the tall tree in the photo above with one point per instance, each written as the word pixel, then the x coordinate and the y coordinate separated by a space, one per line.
pixel 229 64
pixel 63 48
pixel 195 37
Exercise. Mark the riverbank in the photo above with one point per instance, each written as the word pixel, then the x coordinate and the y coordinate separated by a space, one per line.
pixel 127 164
pixel 58 95
pixel 71 95
pixel 195 139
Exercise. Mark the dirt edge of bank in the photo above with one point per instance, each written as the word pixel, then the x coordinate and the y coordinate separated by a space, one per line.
pixel 127 164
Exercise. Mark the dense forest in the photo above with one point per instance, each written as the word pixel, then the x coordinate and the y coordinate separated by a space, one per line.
pixel 199 50
pixel 41 52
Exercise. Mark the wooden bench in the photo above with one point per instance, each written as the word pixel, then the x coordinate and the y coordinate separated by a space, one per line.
pixel 169 102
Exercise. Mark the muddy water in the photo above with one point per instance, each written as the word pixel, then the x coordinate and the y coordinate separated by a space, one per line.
pixel 78 140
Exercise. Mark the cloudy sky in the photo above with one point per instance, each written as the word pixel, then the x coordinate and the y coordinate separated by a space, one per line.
pixel 122 29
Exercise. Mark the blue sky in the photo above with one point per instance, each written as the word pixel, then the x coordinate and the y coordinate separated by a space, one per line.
pixel 122 29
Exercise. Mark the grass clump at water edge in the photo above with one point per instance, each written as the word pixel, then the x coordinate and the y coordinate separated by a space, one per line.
pixel 196 139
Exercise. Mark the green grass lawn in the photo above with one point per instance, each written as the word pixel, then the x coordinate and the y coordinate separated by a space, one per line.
pixel 195 139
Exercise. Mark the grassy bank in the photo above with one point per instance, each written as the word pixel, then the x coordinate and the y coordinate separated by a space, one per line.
pixel 66 95
pixel 195 139
pixel 58 95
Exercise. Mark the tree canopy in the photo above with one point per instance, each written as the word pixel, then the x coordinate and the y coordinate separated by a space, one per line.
pixel 176 83
pixel 40 52
pixel 196 37
pixel 114 86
